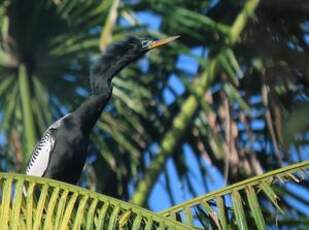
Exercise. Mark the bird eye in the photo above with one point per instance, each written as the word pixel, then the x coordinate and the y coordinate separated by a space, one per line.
pixel 146 43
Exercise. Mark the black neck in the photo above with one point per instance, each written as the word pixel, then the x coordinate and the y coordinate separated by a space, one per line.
pixel 89 112
pixel 109 65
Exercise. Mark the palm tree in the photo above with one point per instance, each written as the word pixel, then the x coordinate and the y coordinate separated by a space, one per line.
pixel 239 107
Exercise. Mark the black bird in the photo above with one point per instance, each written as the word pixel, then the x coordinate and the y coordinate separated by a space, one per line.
pixel 61 152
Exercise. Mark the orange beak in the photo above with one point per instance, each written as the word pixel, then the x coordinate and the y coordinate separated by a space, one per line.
pixel 161 42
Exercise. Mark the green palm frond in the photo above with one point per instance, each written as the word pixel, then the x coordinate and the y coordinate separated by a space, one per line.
pixel 41 203
pixel 246 201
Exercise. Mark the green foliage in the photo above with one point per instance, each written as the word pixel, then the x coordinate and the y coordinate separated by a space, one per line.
pixel 244 196
pixel 41 203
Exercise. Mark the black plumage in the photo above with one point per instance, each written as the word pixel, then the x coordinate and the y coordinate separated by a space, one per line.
pixel 61 152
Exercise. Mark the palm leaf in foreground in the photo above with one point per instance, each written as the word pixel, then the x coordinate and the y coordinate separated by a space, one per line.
pixel 41 203
pixel 215 209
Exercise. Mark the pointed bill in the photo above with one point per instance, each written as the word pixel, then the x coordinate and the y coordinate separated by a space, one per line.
pixel 161 42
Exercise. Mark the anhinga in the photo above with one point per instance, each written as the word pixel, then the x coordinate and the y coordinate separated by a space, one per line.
pixel 61 152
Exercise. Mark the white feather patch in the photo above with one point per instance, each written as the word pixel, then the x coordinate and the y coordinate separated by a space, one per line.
pixel 40 156
pixel 41 153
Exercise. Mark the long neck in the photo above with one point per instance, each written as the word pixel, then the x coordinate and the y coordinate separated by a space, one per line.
pixel 107 67
pixel 89 112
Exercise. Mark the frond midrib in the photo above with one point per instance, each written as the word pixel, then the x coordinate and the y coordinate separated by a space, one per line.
pixel 237 186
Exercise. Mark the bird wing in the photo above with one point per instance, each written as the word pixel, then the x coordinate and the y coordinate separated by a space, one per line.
pixel 42 151
pixel 40 155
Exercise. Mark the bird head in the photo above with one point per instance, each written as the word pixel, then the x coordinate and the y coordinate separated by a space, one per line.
pixel 134 47
pixel 118 56
pixel 152 44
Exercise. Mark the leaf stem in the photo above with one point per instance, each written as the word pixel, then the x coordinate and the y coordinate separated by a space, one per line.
pixel 29 128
